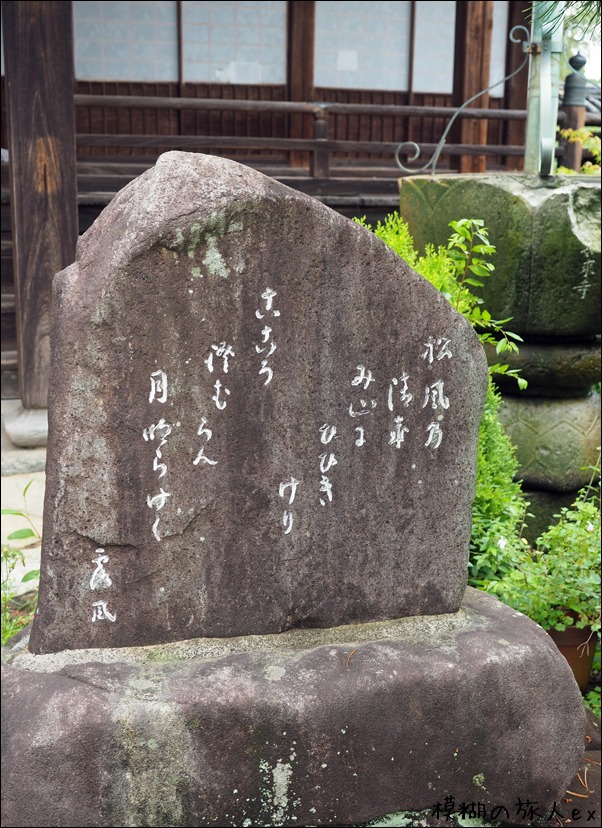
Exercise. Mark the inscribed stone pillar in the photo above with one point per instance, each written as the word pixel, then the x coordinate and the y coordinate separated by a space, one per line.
pixel 260 418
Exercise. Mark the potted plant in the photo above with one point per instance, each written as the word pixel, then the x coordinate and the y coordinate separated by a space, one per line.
pixel 557 583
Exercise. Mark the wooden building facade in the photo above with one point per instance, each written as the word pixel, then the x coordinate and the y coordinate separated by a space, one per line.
pixel 317 94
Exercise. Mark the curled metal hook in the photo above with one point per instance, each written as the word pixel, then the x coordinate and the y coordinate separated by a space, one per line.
pixel 525 41
pixel 407 146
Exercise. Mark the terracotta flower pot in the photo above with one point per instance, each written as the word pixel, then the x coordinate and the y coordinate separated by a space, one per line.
pixel 578 647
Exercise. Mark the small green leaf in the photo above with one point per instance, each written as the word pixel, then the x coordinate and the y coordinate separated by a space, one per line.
pixel 32 575
pixel 479 270
pixel 22 533
pixel 14 512
pixel 464 231
pixel 474 282
pixel 25 490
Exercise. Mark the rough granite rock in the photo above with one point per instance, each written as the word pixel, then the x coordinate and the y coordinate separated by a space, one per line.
pixel 260 418
pixel 310 727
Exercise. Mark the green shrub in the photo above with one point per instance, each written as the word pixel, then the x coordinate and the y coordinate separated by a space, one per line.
pixel 557 583
pixel 590 142
pixel 499 507
pixel 17 610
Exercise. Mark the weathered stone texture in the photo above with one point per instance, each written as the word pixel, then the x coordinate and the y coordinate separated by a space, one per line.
pixel 260 418
pixel 547 235
pixel 309 727
pixel 552 370
pixel 557 441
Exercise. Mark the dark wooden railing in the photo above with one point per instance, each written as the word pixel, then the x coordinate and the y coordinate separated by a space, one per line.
pixel 319 147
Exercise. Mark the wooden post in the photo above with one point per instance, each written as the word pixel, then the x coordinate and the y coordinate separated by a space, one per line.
pixel 574 105
pixel 472 56
pixel 515 93
pixel 38 56
pixel 320 164
pixel 301 37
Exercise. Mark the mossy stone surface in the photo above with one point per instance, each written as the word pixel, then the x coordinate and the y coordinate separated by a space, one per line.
pixel 547 235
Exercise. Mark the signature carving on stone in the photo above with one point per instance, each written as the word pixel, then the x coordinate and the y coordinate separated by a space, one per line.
pixel 101 612
pixel 100 577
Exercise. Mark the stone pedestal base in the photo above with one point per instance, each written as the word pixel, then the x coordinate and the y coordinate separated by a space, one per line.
pixel 27 427
pixel 310 727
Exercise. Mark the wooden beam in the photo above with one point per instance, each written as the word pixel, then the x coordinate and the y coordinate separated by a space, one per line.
pixel 287 144
pixel 515 93
pixel 472 57
pixel 38 56
pixel 317 110
pixel 300 68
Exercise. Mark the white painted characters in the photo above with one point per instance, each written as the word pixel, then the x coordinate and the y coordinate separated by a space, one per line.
pixel 267 346
pixel 328 460
pixel 159 431
pixel 397 435
pixel 223 351
pixel 435 435
pixel 288 516
pixel 220 403
pixel 101 612
pixel 363 378
pixel 158 390
pixel 268 296
pixel 439 344
pixel 101 579
pixel 208 434
pixel 434 394
pixel 587 272
pixel 405 397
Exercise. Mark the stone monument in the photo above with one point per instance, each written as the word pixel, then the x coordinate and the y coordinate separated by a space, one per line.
pixel 261 465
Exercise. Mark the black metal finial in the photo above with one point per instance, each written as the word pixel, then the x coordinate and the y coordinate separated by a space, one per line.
pixel 578 62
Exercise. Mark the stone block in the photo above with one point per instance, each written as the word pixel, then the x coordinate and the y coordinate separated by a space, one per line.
pixel 260 418
pixel 552 370
pixel 557 440
pixel 547 235
pixel 310 727
pixel 27 427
